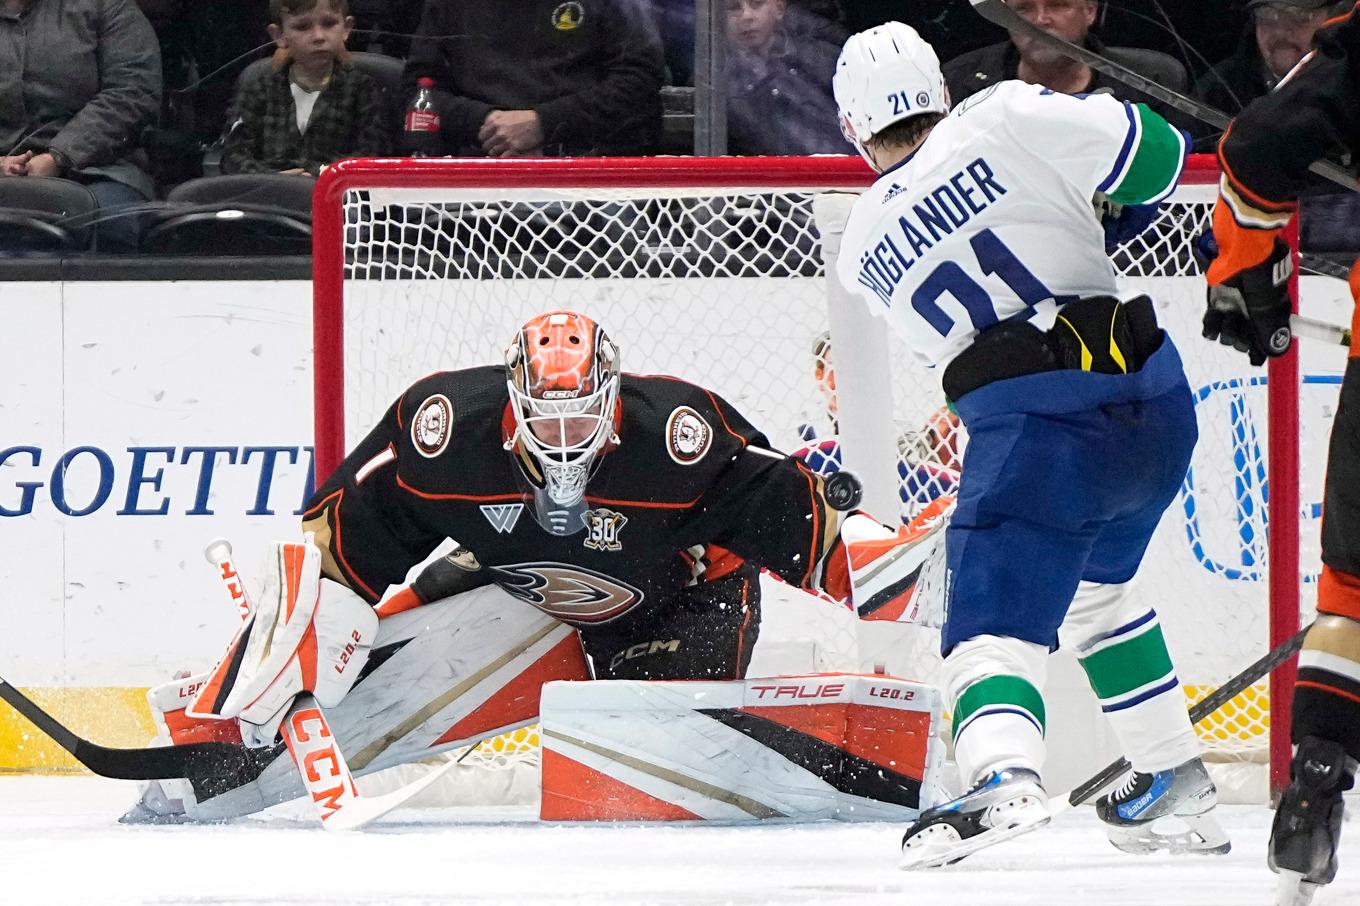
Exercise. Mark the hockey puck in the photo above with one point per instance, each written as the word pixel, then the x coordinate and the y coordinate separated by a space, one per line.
pixel 843 491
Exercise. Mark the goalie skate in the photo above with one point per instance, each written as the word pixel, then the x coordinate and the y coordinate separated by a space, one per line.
pixel 1184 792
pixel 1003 805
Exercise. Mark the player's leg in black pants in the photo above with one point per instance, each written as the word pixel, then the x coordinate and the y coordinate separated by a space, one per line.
pixel 706 631
pixel 1326 722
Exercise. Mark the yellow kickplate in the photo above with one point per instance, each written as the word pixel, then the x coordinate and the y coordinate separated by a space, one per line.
pixel 107 715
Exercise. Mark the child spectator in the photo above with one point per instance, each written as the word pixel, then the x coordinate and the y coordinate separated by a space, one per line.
pixel 779 67
pixel 315 107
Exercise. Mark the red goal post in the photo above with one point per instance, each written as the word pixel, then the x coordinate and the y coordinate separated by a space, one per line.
pixel 444 254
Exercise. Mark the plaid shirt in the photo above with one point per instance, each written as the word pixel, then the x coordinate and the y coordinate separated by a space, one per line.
pixel 350 119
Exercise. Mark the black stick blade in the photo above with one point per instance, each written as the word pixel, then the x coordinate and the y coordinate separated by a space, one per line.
pixel 196 760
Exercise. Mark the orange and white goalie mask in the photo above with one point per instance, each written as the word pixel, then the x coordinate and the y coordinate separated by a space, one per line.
pixel 563 376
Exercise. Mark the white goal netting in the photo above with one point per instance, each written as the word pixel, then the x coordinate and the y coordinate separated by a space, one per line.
pixel 718 278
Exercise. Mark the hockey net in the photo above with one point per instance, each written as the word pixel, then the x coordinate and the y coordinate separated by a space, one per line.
pixel 712 270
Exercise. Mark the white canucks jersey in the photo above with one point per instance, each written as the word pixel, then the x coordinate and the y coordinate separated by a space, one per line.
pixel 991 218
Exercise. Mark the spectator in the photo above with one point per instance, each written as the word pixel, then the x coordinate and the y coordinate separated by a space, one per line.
pixel 779 73
pixel 78 81
pixel 1030 60
pixel 314 107
pixel 1279 33
pixel 522 78
pixel 675 19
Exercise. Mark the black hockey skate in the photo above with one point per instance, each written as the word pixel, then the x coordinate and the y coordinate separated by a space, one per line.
pixel 1005 804
pixel 1307 826
pixel 1184 792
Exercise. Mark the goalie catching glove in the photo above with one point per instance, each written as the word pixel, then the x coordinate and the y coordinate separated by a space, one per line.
pixel 887 573
pixel 304 635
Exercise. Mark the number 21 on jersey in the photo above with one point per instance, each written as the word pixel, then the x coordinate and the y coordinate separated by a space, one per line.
pixel 995 259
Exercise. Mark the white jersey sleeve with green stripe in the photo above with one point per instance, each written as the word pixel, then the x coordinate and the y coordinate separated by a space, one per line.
pixel 1101 144
pixel 991 218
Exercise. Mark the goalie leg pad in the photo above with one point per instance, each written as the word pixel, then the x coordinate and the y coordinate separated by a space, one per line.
pixel 810 747
pixel 165 801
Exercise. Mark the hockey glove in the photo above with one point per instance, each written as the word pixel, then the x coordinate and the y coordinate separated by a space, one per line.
pixel 1122 223
pixel 1250 310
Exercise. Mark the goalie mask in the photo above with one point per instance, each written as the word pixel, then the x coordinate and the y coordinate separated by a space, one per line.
pixel 885 75
pixel 563 378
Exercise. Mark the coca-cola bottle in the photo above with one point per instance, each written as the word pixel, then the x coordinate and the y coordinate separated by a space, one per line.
pixel 422 137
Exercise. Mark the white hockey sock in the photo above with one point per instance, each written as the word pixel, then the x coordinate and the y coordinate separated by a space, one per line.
pixel 1125 657
pixel 993 683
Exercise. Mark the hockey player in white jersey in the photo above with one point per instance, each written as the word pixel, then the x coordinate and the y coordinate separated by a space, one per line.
pixel 979 245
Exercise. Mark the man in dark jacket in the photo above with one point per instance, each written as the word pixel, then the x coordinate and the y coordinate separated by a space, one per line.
pixel 1030 60
pixel 1280 33
pixel 78 81
pixel 523 78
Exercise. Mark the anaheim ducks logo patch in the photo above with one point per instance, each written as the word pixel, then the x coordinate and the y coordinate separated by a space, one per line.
pixel 572 594
pixel 431 427
pixel 688 436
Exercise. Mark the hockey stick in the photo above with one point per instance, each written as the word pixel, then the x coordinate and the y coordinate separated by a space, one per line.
pixel 1202 709
pixel 194 761
pixel 998 13
pixel 1313 329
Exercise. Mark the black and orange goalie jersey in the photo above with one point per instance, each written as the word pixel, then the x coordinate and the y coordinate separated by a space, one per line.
pixel 690 477
pixel 1266 151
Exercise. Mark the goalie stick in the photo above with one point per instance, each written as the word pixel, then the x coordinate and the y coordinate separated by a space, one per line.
pixel 998 13
pixel 194 761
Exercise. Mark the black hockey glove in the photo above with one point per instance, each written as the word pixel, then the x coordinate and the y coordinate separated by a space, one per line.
pixel 1250 310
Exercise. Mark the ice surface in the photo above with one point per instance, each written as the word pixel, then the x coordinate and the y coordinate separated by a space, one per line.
pixel 60 844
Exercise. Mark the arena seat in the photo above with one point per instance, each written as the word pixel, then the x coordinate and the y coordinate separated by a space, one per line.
pixel 242 214
pixel 45 216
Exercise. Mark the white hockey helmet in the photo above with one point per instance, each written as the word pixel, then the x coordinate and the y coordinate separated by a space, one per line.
pixel 884 75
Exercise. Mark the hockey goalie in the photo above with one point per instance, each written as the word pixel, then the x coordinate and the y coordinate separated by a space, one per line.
pixel 608 526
